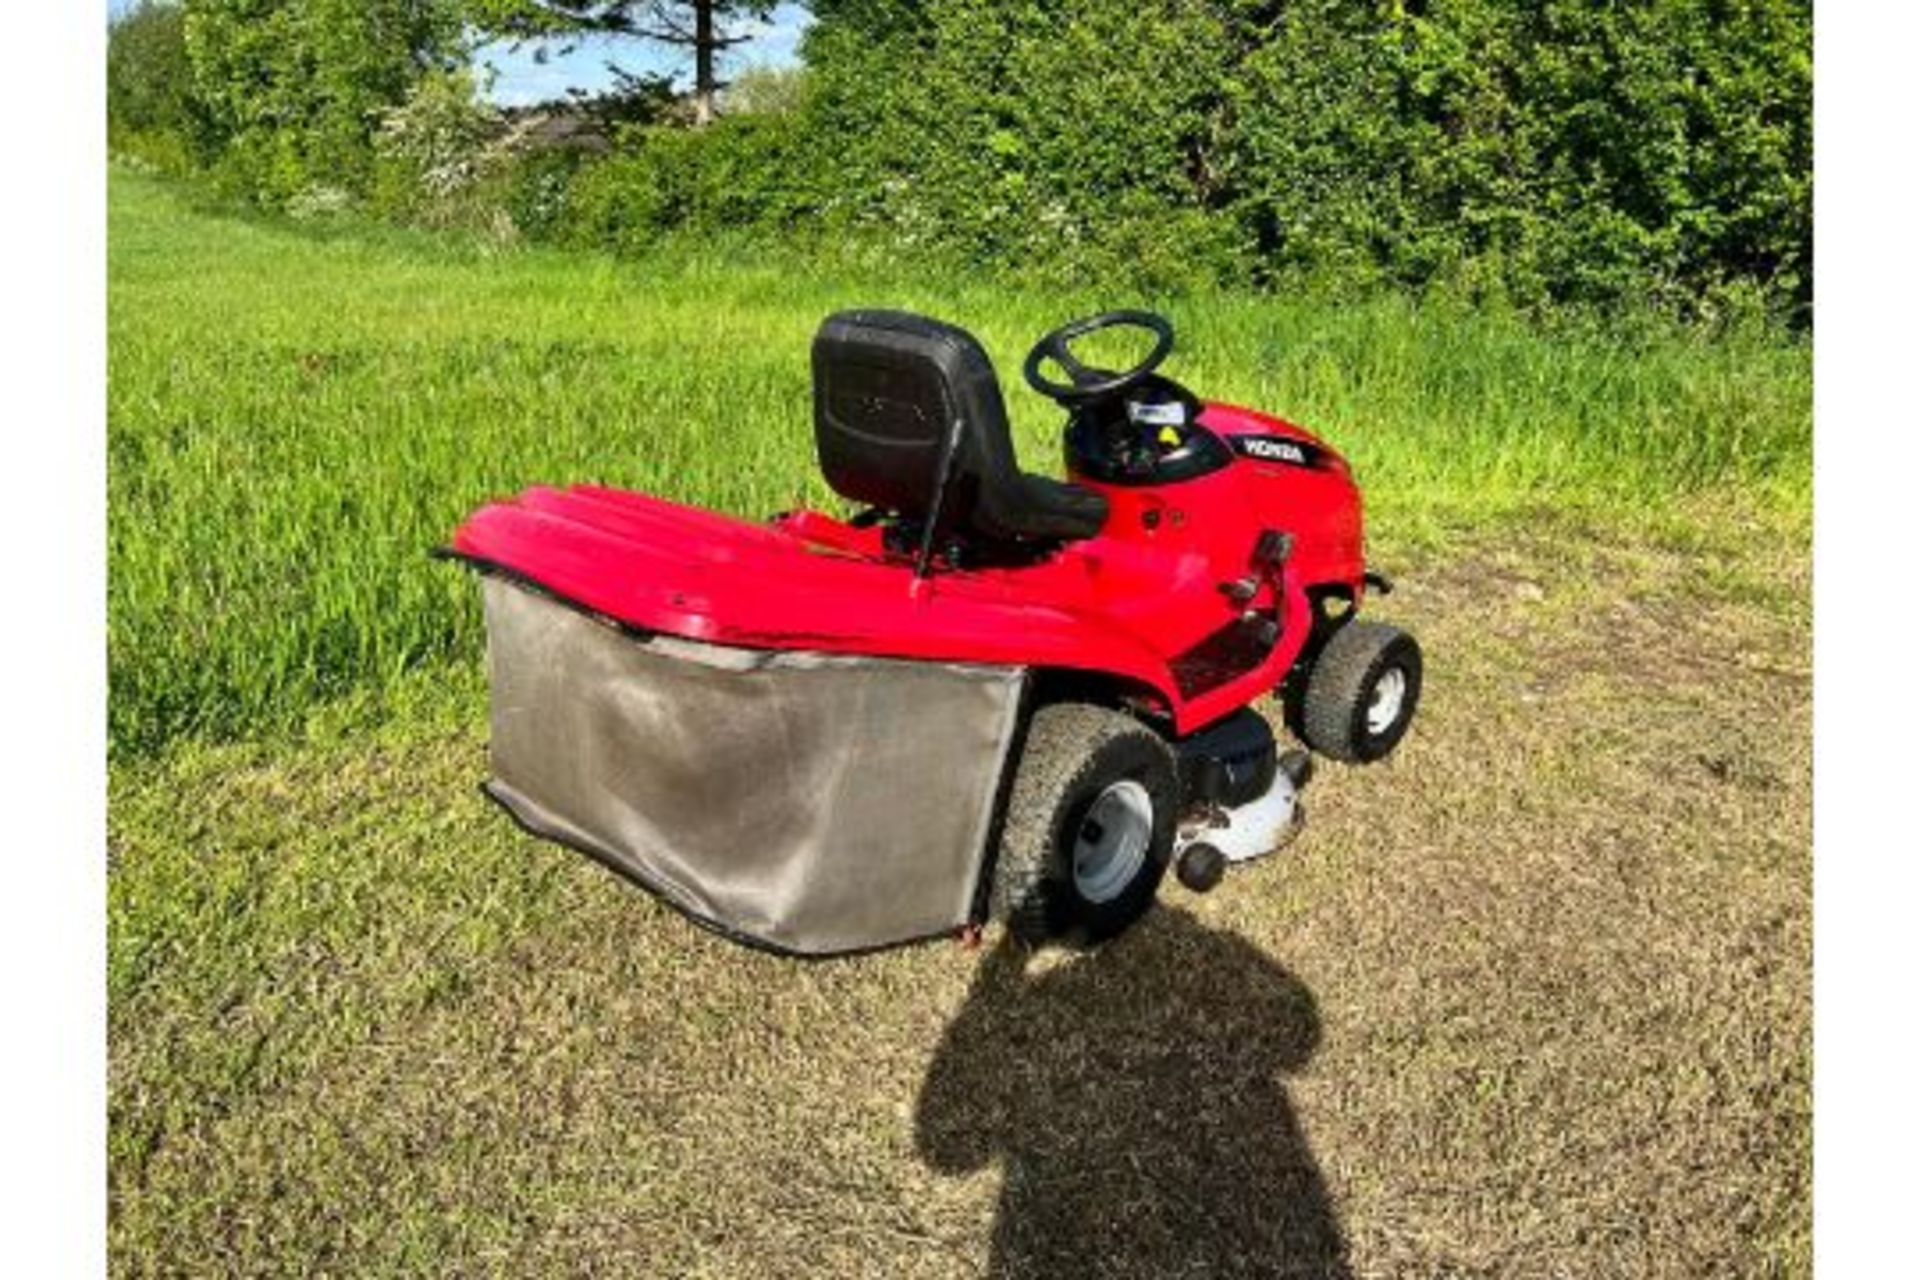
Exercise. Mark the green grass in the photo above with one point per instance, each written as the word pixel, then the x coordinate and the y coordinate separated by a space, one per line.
pixel 1531 998
pixel 296 417
pixel 1559 949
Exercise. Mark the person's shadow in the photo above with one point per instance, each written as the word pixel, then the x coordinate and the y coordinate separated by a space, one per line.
pixel 1133 1097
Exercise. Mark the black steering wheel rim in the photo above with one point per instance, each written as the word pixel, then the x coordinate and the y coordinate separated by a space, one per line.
pixel 1088 383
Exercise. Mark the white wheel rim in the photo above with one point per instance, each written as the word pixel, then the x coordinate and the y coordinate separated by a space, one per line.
pixel 1389 696
pixel 1110 846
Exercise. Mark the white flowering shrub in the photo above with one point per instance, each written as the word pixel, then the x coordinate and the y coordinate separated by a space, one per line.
pixel 318 201
pixel 439 141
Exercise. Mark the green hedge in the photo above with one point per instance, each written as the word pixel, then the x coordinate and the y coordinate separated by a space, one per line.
pixel 749 171
pixel 1544 149
pixel 1638 152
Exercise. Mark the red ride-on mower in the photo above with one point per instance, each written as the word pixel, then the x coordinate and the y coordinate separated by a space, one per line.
pixel 985 694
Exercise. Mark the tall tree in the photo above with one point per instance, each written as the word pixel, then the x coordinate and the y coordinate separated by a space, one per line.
pixel 147 69
pixel 704 26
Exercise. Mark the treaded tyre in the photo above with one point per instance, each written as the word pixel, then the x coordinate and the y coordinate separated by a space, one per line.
pixel 1089 825
pixel 1362 692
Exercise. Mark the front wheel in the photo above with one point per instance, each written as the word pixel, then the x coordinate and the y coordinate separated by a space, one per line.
pixel 1089 826
pixel 1362 692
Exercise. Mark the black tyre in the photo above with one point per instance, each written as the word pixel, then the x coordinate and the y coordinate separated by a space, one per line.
pixel 1089 825
pixel 1362 692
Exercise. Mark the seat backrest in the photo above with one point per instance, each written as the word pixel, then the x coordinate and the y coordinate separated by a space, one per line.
pixel 887 387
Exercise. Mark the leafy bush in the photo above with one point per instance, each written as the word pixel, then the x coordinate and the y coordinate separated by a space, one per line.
pixel 290 91
pixel 1545 150
pixel 742 171
pixel 150 113
pixel 765 91
pixel 1020 132
pixel 434 147
pixel 533 190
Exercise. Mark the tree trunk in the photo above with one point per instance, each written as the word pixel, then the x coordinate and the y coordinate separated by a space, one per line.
pixel 704 89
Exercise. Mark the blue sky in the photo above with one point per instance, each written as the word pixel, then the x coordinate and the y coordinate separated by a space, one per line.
pixel 522 78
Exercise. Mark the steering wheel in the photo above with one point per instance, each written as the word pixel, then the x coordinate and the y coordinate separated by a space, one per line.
pixel 1087 383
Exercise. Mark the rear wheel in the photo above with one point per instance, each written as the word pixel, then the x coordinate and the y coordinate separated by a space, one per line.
pixel 1362 692
pixel 1089 826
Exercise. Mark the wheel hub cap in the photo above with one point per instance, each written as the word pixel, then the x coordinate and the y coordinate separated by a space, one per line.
pixel 1389 696
pixel 1111 844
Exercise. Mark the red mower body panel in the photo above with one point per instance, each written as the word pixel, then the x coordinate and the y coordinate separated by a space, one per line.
pixel 1168 602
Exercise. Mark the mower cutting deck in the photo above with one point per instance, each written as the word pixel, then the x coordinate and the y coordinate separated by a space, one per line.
pixel 987 693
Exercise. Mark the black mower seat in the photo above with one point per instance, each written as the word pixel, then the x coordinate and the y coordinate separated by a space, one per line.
pixel 887 387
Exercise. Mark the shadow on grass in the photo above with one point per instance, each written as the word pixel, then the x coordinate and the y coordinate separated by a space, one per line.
pixel 1133 1096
